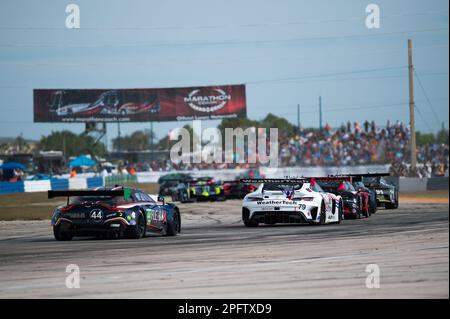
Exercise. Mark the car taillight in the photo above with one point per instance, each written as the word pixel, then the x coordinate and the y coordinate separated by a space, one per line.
pixel 107 207
pixel 67 208
pixel 254 199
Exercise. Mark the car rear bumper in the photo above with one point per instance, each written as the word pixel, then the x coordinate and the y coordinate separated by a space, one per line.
pixel 284 217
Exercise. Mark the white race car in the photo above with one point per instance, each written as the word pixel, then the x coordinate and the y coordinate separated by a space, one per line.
pixel 290 201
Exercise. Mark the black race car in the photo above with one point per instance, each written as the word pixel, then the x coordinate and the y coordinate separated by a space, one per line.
pixel 386 192
pixel 113 213
pixel 176 186
pixel 237 190
pixel 176 189
pixel 359 186
pixel 234 189
pixel 355 202
pixel 205 189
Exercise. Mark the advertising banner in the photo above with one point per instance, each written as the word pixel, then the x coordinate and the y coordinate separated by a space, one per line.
pixel 139 105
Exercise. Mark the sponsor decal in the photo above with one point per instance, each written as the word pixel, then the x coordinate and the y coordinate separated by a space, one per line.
pixel 74 215
pixel 156 216
pixel 289 194
pixel 280 202
pixel 204 100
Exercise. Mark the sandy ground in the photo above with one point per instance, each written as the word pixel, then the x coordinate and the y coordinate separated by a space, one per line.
pixel 216 257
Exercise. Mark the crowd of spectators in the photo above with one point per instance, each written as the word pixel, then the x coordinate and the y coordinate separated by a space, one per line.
pixel 350 144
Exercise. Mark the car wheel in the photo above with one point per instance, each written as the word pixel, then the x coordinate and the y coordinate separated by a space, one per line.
pixel 250 223
pixel 366 212
pixel 340 213
pixel 61 235
pixel 323 214
pixel 137 231
pixel 396 200
pixel 174 225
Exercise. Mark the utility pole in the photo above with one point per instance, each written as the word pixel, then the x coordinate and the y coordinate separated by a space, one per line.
pixel 151 140
pixel 412 120
pixel 298 117
pixel 118 137
pixel 320 113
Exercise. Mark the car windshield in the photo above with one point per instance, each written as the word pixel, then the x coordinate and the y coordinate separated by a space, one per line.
pixel 109 200
pixel 330 184
pixel 337 185
pixel 371 181
pixel 317 188
pixel 358 185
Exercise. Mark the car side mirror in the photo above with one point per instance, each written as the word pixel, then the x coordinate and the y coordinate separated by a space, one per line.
pixel 161 199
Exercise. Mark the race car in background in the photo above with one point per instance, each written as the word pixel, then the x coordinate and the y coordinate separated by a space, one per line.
pixel 176 186
pixel 289 201
pixel 355 202
pixel 386 192
pixel 205 189
pixel 234 189
pixel 237 190
pixel 113 213
pixel 359 186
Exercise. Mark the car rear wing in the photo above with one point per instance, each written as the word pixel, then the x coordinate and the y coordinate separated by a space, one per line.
pixel 332 178
pixel 360 177
pixel 71 193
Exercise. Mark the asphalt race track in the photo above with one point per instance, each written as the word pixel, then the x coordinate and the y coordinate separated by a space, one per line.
pixel 217 257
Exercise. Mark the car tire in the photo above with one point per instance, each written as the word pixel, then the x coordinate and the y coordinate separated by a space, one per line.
pixel 137 231
pixel 174 225
pixel 340 213
pixel 250 223
pixel 366 212
pixel 61 235
pixel 323 214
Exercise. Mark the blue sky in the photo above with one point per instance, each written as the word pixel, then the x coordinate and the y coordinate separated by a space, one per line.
pixel 322 47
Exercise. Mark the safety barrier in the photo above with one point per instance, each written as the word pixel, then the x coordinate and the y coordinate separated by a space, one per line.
pixel 404 183
pixel 11 187
pixel 51 184
pixel 120 180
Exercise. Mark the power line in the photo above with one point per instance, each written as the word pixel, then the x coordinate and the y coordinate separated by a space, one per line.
pixel 215 61
pixel 310 76
pixel 426 97
pixel 422 117
pixel 326 75
pixel 244 25
pixel 220 43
